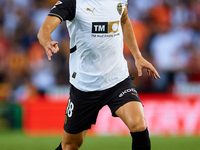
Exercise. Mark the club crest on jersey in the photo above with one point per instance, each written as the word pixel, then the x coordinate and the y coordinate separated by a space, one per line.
pixel 119 8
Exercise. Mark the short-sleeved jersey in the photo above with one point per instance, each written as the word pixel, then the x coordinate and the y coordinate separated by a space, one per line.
pixel 96 42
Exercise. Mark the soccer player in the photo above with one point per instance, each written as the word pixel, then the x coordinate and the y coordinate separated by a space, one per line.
pixel 98 71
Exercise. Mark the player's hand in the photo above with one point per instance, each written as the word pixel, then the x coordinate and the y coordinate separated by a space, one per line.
pixel 51 47
pixel 141 64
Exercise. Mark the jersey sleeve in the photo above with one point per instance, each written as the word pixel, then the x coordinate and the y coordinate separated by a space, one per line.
pixel 64 10
pixel 125 12
pixel 127 3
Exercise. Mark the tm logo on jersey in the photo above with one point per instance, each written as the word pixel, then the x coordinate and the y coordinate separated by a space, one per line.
pixel 105 27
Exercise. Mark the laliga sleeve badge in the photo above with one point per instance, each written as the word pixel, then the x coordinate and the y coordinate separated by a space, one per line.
pixel 119 8
pixel 58 3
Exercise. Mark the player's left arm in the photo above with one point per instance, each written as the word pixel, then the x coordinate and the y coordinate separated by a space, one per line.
pixel 130 40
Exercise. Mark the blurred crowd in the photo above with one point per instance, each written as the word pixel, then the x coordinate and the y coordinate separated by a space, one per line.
pixel 167 32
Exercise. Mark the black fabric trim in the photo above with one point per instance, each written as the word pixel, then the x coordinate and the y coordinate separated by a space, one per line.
pixel 55 15
pixel 72 10
pixel 73 49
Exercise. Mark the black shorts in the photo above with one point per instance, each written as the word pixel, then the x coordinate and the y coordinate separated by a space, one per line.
pixel 83 107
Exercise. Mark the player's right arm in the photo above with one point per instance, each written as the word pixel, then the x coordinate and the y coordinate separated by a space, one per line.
pixel 63 10
pixel 44 35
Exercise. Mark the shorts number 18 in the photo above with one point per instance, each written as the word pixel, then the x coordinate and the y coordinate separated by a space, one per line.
pixel 70 108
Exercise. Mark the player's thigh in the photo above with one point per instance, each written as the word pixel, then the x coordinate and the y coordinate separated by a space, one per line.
pixel 132 114
pixel 76 140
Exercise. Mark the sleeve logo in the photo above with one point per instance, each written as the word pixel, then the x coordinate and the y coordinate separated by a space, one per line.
pixel 58 3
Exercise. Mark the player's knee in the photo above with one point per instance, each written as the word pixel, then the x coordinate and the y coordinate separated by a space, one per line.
pixel 71 146
pixel 137 124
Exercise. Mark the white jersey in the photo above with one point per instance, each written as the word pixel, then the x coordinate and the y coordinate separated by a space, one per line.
pixel 96 42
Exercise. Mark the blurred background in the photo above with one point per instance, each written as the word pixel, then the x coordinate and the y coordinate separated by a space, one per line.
pixel 34 91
